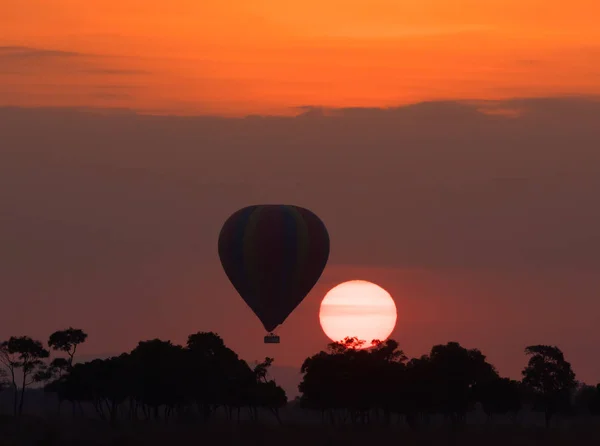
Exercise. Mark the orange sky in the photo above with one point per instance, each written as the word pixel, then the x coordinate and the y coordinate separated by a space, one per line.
pixel 267 56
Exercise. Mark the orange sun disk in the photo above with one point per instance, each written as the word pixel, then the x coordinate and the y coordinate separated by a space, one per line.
pixel 360 309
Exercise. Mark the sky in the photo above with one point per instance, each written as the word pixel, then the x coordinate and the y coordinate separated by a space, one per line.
pixel 451 148
pixel 240 57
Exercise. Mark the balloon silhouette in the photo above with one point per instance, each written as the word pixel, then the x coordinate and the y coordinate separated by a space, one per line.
pixel 273 255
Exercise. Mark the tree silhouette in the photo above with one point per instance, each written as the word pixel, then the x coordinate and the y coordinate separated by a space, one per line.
pixel 261 370
pixel 58 366
pixel 499 396
pixel 456 371
pixel 351 379
pixel 415 397
pixel 155 367
pixel 26 354
pixel 387 365
pixel 74 386
pixel 584 399
pixel 329 381
pixel 266 393
pixel 66 341
pixel 550 377
pixel 593 404
pixel 211 367
pixel 4 383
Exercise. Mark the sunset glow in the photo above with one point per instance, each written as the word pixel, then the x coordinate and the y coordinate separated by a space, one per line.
pixel 240 57
pixel 358 309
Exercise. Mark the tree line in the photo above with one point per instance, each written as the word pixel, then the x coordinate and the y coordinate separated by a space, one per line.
pixel 356 383
pixel 346 383
pixel 156 380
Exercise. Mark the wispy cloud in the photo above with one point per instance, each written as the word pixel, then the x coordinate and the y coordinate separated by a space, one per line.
pixel 333 311
pixel 23 52
pixel 114 71
pixel 48 73
pixel 109 95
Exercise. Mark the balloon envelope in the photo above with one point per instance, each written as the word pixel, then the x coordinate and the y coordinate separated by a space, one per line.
pixel 273 255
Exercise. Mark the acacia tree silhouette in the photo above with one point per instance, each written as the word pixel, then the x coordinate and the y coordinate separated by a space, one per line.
pixel 261 370
pixel 216 369
pixel 266 393
pixel 550 377
pixel 456 372
pixel 63 341
pixel 26 354
pixel 154 365
pixel 66 341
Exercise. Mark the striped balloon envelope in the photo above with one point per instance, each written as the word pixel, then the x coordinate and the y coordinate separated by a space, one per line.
pixel 273 255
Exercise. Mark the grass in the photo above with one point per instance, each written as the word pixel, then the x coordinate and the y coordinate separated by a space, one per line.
pixel 39 431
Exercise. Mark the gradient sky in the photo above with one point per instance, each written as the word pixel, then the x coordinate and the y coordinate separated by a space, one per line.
pixel 264 56
pixel 451 147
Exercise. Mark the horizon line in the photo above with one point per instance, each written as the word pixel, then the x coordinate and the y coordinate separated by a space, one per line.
pixel 302 111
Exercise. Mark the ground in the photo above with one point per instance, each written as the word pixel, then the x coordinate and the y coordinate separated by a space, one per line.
pixel 39 431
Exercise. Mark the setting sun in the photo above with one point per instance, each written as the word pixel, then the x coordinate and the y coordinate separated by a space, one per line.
pixel 360 309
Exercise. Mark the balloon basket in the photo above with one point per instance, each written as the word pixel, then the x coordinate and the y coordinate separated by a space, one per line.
pixel 271 339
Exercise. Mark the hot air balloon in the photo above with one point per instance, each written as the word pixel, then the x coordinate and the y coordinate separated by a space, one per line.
pixel 273 255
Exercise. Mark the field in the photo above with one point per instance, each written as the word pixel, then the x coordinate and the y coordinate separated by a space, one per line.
pixel 42 426
pixel 48 431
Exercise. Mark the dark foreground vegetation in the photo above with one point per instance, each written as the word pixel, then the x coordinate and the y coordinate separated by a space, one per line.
pixel 49 433
pixel 185 393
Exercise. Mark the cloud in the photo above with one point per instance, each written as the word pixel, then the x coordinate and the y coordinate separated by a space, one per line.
pixel 111 96
pixel 117 87
pixel 32 62
pixel 114 71
pixel 18 60
pixel 333 311
pixel 22 52
pixel 426 185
